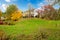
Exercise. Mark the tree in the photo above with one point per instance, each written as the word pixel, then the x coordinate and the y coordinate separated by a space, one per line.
pixel 58 12
pixel 53 2
pixel 16 15
pixel 30 9
pixel 0 14
pixel 50 12
pixel 10 9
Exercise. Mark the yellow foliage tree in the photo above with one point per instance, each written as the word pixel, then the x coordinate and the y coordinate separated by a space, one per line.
pixel 16 15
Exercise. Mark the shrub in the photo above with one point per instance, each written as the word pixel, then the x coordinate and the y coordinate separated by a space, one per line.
pixel 1 22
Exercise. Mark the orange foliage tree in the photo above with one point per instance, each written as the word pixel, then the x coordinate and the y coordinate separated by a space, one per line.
pixel 13 13
pixel 16 15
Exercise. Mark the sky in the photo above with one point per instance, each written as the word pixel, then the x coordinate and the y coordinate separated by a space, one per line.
pixel 23 4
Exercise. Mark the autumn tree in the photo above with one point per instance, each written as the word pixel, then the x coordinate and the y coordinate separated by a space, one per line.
pixel 50 12
pixel 10 9
pixel 16 15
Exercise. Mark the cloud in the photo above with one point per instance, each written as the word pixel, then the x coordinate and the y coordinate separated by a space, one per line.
pixel 56 6
pixel 3 7
pixel 40 4
pixel 8 0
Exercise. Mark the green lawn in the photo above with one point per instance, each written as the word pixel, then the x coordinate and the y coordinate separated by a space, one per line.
pixel 28 26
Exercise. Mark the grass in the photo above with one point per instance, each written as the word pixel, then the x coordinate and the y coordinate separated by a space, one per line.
pixel 29 26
